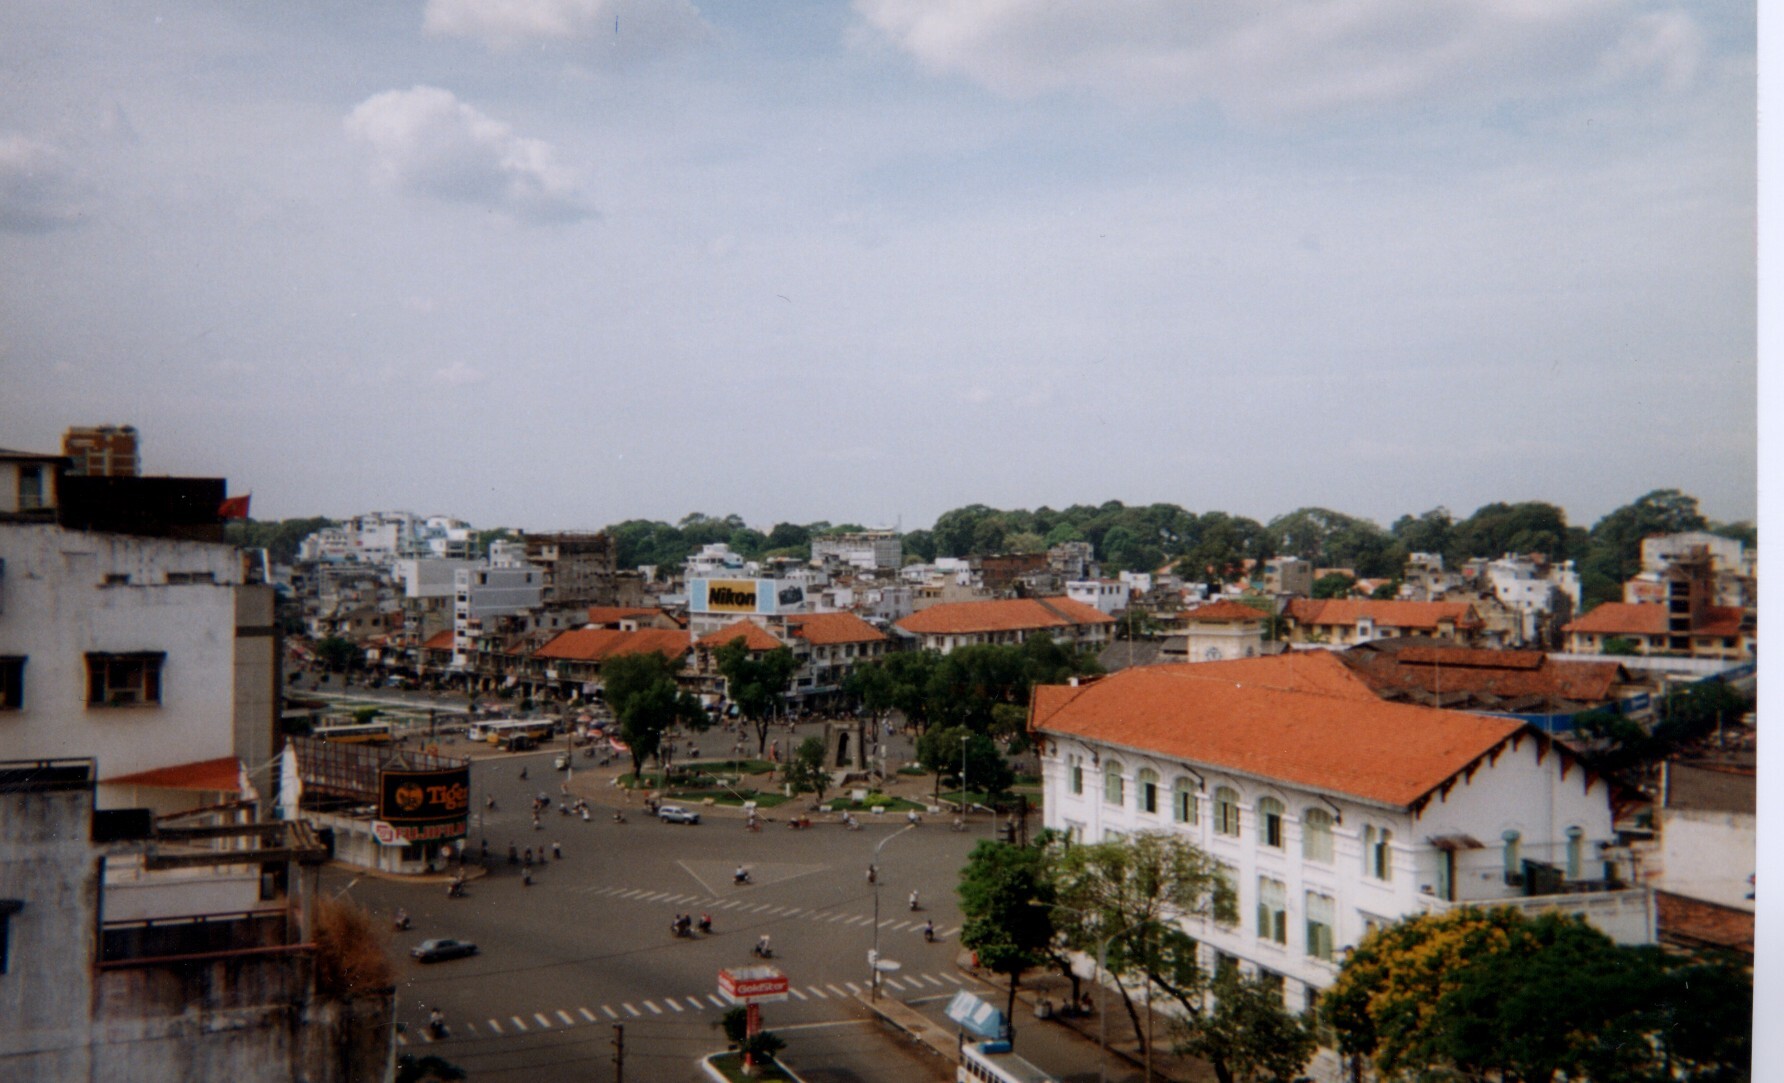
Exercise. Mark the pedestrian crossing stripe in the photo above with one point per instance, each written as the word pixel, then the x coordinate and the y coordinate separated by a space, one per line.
pixel 565 1016
pixel 586 1014
pixel 518 1025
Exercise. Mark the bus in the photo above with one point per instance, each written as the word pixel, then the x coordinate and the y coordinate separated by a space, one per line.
pixel 356 733
pixel 992 1062
pixel 495 729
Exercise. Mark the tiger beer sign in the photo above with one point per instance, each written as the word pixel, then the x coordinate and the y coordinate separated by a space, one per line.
pixel 425 798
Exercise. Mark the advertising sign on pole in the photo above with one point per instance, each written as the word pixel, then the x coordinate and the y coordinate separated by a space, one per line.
pixel 753 985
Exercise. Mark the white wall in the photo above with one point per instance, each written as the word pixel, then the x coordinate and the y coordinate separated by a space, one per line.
pixel 59 606
pixel 1708 855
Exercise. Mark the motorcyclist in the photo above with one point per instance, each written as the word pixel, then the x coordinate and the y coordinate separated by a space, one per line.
pixel 915 902
pixel 705 922
pixel 762 949
pixel 741 876
pixel 401 921
pixel 929 931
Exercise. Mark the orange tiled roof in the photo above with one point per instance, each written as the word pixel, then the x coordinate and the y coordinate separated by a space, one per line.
pixel 613 614
pixel 1008 615
pixel 1224 610
pixel 755 637
pixel 1508 675
pixel 1274 726
pixel 825 628
pixel 222 774
pixel 1347 611
pixel 439 641
pixel 599 644
pixel 1622 618
pixel 1720 620
pixel 1696 923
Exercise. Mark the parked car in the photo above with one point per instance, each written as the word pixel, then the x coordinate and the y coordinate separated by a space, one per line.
pixel 441 949
pixel 675 814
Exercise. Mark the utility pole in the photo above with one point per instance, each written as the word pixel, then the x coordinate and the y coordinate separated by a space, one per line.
pixel 619 1053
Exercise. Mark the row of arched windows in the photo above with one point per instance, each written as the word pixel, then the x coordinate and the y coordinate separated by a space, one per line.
pixel 1316 823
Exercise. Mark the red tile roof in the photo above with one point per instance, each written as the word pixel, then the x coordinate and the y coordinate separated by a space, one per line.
pixel 599 644
pixel 1008 615
pixel 223 774
pixel 1622 618
pixel 439 641
pixel 1264 720
pixel 1347 611
pixel 826 628
pixel 1224 610
pixel 1506 675
pixel 755 637
pixel 1695 923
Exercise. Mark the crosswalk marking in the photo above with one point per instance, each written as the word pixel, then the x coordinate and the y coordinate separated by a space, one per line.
pixel 654 1010
pixel 695 1001
pixel 892 983
pixel 586 1014
pixel 631 1010
pixel 717 1003
pixel 795 992
pixel 544 1023
pixel 835 990
pixel 821 994
pixel 611 1014
pixel 671 1002
pixel 953 979
pixel 565 1016
pixel 495 1026
pixel 518 1025
pixel 930 978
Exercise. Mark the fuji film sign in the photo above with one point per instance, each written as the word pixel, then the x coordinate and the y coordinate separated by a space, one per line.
pixel 752 985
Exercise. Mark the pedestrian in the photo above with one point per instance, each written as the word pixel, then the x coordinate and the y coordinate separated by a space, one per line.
pixel 585 814
pixel 557 852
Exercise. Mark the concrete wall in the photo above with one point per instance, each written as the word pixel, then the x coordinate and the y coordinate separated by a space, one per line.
pixel 1708 855
pixel 60 606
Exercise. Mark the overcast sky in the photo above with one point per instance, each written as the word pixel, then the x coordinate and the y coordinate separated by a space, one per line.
pixel 559 263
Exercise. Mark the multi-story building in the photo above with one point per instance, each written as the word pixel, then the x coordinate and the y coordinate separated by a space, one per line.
pixel 869 550
pixel 1543 595
pixel 959 624
pixel 1103 595
pixel 1221 631
pixel 579 566
pixel 103 451
pixel 1330 811
pixel 486 592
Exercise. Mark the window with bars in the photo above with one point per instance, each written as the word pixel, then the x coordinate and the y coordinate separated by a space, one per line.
pixel 1226 811
pixel 1272 910
pixel 1269 815
pixel 1321 914
pixel 1148 790
pixel 1183 801
pixel 1316 835
pixel 124 680
pixel 1114 786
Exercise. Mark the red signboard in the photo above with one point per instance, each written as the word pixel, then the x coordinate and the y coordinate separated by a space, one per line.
pixel 752 985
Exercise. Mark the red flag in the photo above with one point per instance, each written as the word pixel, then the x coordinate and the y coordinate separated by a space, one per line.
pixel 236 507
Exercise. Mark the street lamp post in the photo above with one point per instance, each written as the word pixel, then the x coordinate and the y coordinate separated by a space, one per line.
pixel 873 876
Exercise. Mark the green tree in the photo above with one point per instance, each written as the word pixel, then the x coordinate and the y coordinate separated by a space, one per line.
pixel 1125 896
pixel 939 751
pixel 918 545
pixel 1006 897
pixel 641 690
pixel 280 538
pixel 1386 592
pixel 1614 553
pixel 1333 585
pixel 756 682
pixel 1248 1035
pixel 337 654
pixel 805 769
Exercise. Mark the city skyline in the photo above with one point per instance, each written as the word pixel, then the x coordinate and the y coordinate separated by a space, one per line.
pixel 563 263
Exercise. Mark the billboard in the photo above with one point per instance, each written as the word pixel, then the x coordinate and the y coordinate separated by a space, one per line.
pixel 752 984
pixel 744 596
pixel 422 806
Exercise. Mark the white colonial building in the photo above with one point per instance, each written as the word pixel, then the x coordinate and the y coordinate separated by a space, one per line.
pixel 1332 811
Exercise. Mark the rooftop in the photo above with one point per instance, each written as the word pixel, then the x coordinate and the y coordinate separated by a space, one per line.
pixel 1007 615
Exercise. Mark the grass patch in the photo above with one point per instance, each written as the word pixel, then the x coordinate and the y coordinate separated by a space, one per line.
pixel 763 799
pixel 730 1065
pixel 890 804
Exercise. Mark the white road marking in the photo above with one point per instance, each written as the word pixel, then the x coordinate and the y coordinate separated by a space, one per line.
pixel 654 1010
pixel 792 990
pixel 892 983
pixel 695 1001
pixel 671 1002
pixel 518 1025
pixel 930 978
pixel 835 990
pixel 544 1023
pixel 586 1014
pixel 565 1016
pixel 821 994
pixel 634 1011
pixel 853 988
pixel 401 1040
pixel 495 1026
pixel 953 979
pixel 611 1014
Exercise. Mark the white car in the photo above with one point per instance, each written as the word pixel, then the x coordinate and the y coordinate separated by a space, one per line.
pixel 675 814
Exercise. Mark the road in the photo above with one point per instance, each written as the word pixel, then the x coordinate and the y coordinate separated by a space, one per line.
pixel 588 947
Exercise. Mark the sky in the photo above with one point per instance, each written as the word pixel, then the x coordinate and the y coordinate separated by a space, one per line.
pixel 553 264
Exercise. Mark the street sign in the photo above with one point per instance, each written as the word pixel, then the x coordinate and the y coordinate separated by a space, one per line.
pixel 752 985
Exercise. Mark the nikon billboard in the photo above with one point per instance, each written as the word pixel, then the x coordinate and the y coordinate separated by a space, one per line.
pixel 761 597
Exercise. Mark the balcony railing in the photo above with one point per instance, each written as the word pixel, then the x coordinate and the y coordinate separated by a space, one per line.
pixel 135 943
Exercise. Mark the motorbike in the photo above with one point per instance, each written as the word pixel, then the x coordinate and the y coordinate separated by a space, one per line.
pixel 929 931
pixel 762 950
pixel 705 925
pixel 455 889
pixel 401 922
pixel 741 876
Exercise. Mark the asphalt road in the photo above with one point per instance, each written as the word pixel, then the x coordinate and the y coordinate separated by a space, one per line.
pixel 588 945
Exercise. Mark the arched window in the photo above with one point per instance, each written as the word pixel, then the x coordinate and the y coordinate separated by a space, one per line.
pixel 1226 811
pixel 1183 801
pixel 1114 787
pixel 1576 852
pixel 1148 780
pixel 1269 815
pixel 1316 834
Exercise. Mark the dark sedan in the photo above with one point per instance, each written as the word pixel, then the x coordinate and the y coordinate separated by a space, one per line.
pixel 435 951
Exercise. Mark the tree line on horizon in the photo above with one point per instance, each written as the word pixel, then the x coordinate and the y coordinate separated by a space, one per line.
pixel 1211 547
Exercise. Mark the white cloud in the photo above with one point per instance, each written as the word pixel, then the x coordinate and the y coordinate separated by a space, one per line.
pixel 458 374
pixel 425 140
pixel 652 25
pixel 39 189
pixel 1286 59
